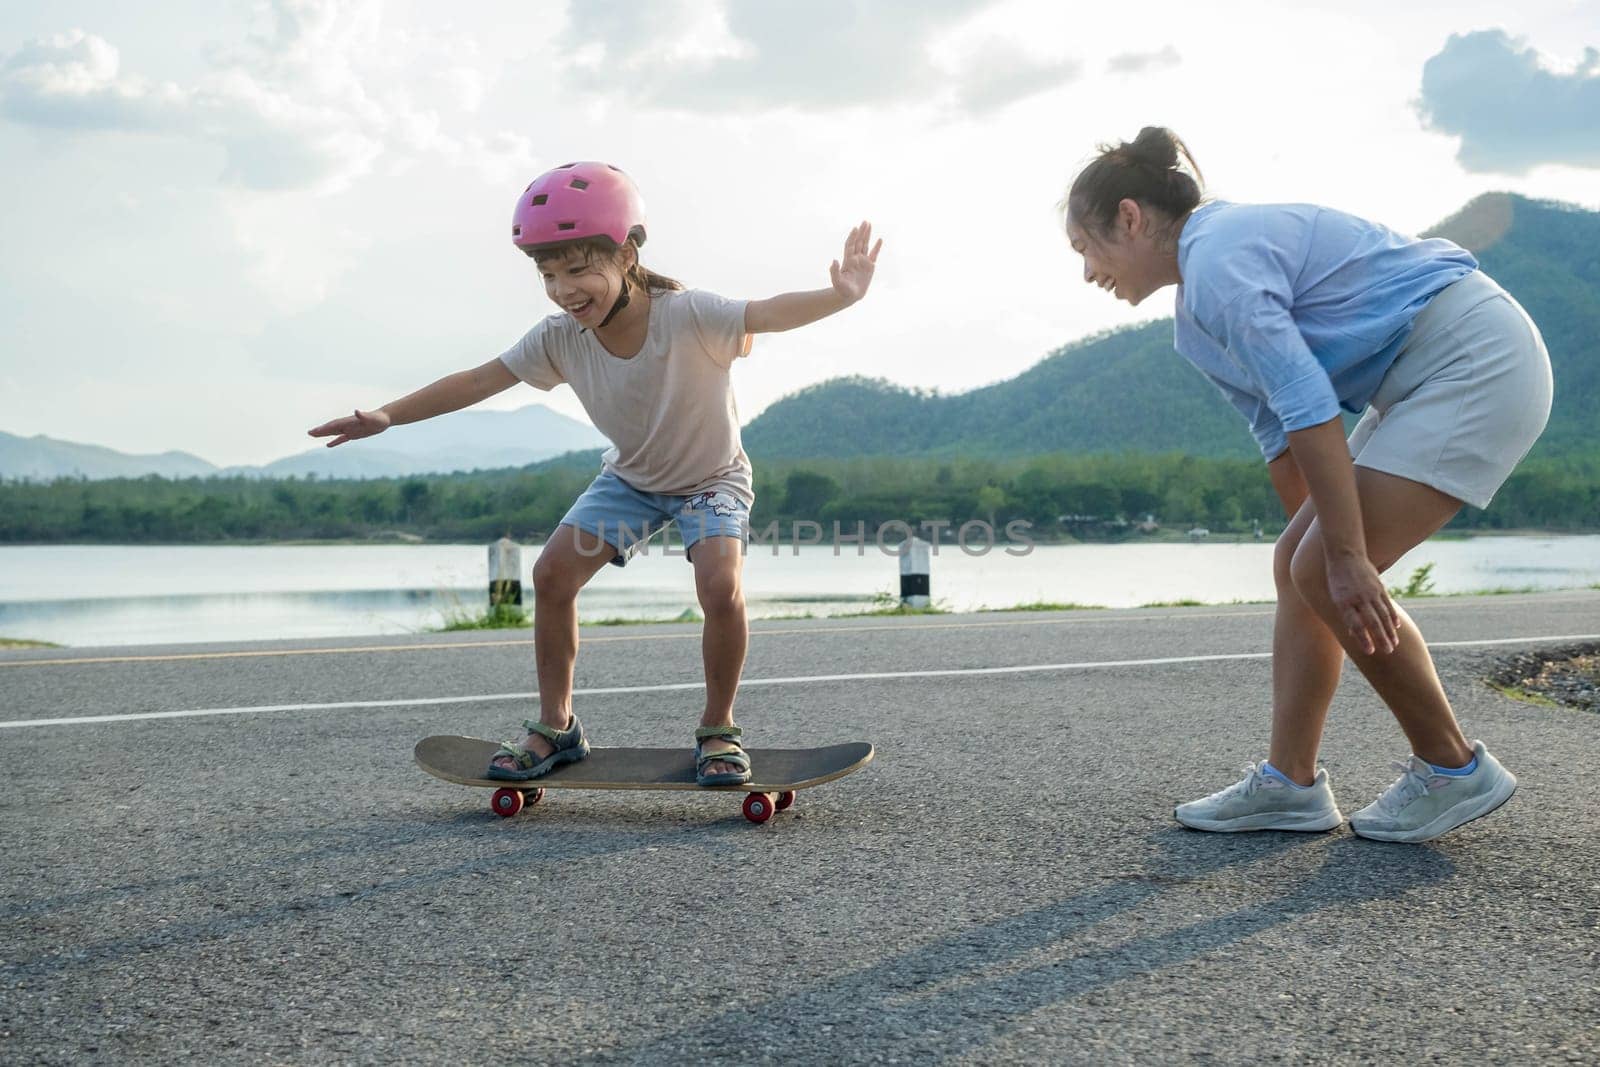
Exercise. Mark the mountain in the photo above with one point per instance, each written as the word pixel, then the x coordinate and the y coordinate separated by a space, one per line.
pixel 462 440
pixel 1128 390
pixel 44 459
pixel 1547 255
pixel 1123 391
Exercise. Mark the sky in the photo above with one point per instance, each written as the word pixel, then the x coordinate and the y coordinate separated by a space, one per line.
pixel 228 221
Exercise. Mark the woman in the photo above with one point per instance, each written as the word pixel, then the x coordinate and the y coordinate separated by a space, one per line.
pixel 1297 312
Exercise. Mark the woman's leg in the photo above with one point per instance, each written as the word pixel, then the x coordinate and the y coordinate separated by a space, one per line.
pixel 1306 663
pixel 1398 514
pixel 718 568
pixel 569 559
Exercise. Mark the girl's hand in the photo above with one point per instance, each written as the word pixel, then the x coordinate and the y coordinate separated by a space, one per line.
pixel 1363 603
pixel 351 427
pixel 852 272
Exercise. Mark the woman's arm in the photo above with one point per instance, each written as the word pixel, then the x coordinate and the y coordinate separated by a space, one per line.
pixel 851 275
pixel 450 393
pixel 1322 459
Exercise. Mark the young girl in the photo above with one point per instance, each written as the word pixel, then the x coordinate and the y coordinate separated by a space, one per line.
pixel 650 363
pixel 1298 312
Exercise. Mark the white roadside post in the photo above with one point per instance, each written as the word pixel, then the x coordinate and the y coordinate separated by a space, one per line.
pixel 505 573
pixel 915 561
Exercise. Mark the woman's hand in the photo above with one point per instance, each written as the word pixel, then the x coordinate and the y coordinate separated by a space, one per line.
pixel 852 272
pixel 1363 603
pixel 351 427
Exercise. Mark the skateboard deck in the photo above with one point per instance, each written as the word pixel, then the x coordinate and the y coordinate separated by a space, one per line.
pixel 778 772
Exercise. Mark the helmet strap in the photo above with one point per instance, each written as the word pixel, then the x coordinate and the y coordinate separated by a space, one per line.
pixel 622 302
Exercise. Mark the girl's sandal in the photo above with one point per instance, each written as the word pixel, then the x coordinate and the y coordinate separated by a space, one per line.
pixel 571 746
pixel 736 756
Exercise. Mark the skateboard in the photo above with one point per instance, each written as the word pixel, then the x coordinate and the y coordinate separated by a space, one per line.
pixel 779 772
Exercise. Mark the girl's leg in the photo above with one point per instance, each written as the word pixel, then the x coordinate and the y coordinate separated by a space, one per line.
pixel 1306 662
pixel 1398 514
pixel 569 559
pixel 718 568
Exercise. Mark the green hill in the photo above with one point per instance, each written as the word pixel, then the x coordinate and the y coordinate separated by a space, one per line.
pixel 1129 391
pixel 1547 255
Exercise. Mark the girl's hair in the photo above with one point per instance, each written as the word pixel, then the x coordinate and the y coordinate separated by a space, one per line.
pixel 587 248
pixel 1145 170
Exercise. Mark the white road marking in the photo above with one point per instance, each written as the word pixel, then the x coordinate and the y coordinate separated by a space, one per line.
pixel 486 698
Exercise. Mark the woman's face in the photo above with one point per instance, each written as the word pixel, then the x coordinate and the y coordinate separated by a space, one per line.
pixel 1125 260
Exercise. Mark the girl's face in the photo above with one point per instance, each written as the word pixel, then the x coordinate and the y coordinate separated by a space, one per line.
pixel 1126 260
pixel 585 287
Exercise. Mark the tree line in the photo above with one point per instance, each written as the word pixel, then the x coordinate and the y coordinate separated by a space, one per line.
pixel 1096 497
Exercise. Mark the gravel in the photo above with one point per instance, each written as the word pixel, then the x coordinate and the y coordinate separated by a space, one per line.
pixel 1569 676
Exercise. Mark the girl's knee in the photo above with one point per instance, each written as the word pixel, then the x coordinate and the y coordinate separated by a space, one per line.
pixel 552 581
pixel 720 593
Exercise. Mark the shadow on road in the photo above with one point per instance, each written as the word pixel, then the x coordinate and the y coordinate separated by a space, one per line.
pixel 959 992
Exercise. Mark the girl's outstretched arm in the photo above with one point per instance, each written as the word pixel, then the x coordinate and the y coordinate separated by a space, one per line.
pixel 851 274
pixel 450 393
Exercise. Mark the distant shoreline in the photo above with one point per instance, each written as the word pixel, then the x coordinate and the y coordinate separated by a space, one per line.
pixel 1164 536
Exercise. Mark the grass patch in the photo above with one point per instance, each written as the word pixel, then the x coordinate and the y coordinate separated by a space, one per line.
pixel 1419 584
pixel 17 642
pixel 688 615
pixel 499 617
pixel 1525 696
pixel 899 609
pixel 1175 604
pixel 888 602
pixel 1047 605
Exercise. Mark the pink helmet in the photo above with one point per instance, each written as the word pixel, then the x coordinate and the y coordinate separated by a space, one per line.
pixel 578 200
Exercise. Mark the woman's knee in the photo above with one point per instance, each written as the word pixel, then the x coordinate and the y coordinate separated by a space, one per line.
pixel 1282 558
pixel 1283 554
pixel 1308 574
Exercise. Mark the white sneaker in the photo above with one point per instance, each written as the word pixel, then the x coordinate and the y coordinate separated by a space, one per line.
pixel 1263 801
pixel 1423 804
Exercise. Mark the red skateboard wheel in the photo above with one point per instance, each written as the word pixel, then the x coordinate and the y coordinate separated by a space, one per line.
pixel 758 807
pixel 506 802
pixel 786 800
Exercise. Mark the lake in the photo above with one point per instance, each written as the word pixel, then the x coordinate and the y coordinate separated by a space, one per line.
pixel 105 595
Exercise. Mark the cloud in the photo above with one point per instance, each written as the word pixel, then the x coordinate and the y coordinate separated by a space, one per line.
pixel 312 99
pixel 997 73
pixel 73 80
pixel 1511 111
pixel 821 55
pixel 1139 62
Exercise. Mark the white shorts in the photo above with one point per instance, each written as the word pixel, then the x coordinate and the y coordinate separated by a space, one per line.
pixel 1465 399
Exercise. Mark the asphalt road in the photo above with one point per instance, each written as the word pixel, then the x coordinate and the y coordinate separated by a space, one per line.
pixel 272 881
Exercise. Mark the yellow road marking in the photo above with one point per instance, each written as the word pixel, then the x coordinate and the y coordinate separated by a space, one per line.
pixel 1099 615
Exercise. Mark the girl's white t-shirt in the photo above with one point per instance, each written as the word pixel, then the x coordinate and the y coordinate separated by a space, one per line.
pixel 668 411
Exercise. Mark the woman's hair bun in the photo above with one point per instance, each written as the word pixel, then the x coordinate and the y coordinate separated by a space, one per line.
pixel 1145 169
pixel 1155 145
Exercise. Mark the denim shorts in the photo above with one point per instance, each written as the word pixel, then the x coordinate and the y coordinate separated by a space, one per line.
pixel 625 518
